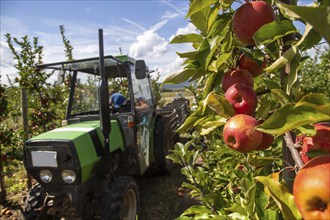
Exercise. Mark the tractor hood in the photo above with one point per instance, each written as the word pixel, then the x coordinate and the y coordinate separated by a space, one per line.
pixel 86 133
pixel 85 141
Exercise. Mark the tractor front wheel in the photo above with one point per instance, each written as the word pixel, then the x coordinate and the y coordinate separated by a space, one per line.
pixel 120 200
pixel 33 204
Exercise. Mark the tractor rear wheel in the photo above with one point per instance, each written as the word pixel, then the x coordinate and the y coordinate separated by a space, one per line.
pixel 120 200
pixel 163 142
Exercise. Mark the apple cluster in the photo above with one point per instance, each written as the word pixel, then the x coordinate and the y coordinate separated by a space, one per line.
pixel 311 188
pixel 239 131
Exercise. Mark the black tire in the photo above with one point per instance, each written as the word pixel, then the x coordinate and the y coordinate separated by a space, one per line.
pixel 33 202
pixel 163 142
pixel 121 200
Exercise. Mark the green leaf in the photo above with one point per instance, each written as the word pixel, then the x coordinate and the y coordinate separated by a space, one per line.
pixel 194 119
pixel 205 45
pixel 293 75
pixel 214 46
pixel 225 4
pixel 212 81
pixel 213 16
pixel 313 99
pixel 197 6
pixel 188 123
pixel 218 104
pixel 280 96
pixel 174 157
pixel 237 216
pixel 191 54
pixel 227 42
pixel 235 208
pixel 249 202
pixel 318 17
pixel 291 116
pixel 222 59
pixel 257 161
pixel 272 85
pixel 282 197
pixel 210 123
pixel 264 107
pixel 308 130
pixel 283 60
pixel 180 77
pixel 196 209
pixel 197 122
pixel 273 31
pixel 183 218
pixel 200 19
pixel 221 25
pixel 309 39
pixel 187 38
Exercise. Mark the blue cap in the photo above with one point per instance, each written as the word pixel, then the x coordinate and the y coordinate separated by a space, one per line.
pixel 118 100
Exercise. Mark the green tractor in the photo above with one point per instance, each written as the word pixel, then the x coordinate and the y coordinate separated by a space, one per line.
pixel 85 169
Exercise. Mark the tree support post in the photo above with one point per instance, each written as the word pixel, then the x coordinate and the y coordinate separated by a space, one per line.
pixel 24 102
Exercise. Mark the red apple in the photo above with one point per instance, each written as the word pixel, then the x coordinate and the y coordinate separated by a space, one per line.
pixel 243 98
pixel 311 189
pixel 232 77
pixel 318 143
pixel 249 18
pixel 267 140
pixel 251 65
pixel 240 134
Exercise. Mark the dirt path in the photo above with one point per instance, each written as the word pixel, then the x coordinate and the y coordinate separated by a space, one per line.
pixel 159 198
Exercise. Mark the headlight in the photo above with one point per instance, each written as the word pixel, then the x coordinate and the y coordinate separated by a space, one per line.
pixel 46 176
pixel 69 176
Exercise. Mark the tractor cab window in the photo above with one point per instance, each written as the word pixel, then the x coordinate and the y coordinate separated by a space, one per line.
pixel 85 99
pixel 142 94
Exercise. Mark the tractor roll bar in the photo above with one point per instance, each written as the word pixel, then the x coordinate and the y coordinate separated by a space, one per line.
pixel 104 100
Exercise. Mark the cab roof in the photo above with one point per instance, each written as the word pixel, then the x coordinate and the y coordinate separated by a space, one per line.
pixel 115 66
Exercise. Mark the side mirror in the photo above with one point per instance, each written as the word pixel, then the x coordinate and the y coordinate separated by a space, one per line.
pixel 60 77
pixel 140 69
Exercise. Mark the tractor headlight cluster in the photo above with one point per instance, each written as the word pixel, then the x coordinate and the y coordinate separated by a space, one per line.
pixel 46 176
pixel 68 176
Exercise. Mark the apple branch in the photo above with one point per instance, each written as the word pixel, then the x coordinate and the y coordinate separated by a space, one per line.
pixel 294 152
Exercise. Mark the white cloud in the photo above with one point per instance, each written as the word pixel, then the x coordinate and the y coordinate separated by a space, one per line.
pixel 149 44
pixel 174 65
pixel 7 68
pixel 16 29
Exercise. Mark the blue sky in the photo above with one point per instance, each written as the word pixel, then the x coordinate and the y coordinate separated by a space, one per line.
pixel 141 29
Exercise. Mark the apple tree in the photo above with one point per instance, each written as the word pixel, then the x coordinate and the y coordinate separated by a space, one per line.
pixel 253 122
